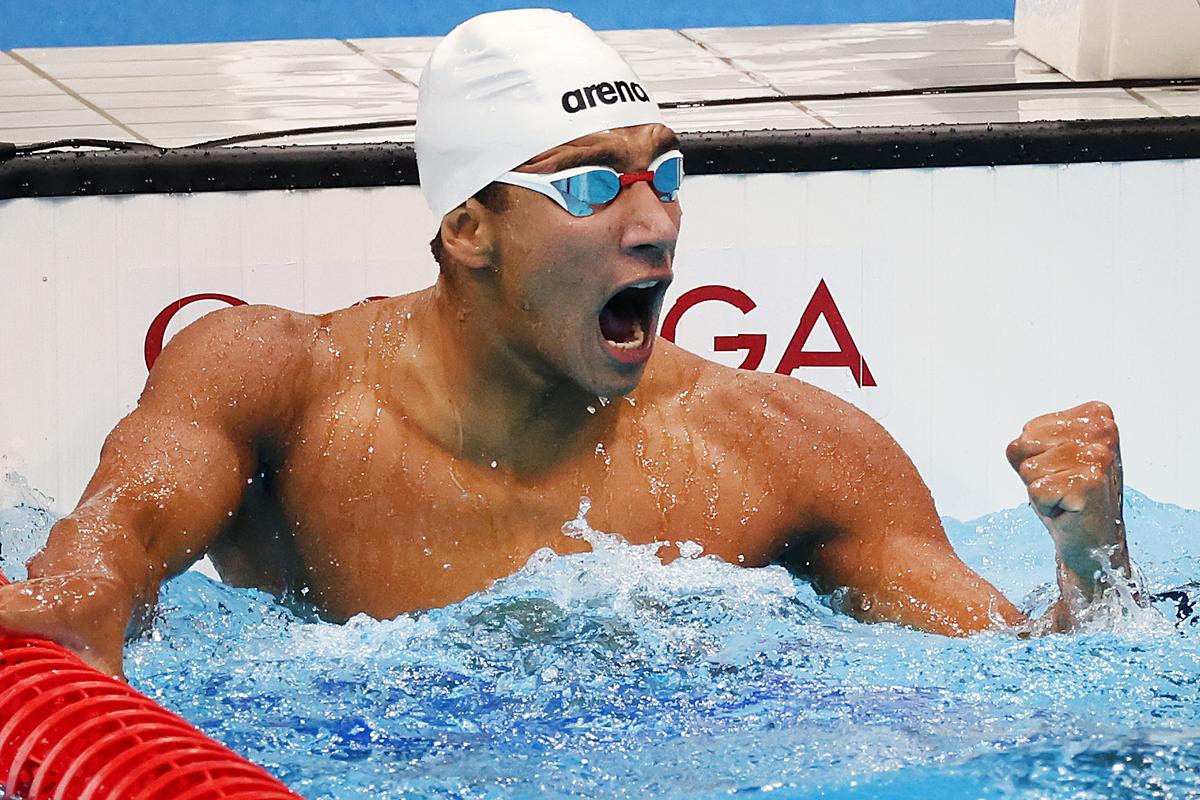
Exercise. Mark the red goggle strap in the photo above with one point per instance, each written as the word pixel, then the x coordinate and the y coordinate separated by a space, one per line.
pixel 630 178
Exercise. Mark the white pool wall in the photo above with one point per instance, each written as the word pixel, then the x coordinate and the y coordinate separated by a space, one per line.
pixel 978 297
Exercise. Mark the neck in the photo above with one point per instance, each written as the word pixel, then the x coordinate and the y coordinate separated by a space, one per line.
pixel 484 398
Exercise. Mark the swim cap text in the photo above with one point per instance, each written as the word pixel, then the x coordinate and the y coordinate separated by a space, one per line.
pixel 606 93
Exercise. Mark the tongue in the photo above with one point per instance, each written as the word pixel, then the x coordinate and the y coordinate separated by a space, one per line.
pixel 617 324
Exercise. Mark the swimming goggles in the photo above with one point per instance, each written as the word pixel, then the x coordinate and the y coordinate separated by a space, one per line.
pixel 581 190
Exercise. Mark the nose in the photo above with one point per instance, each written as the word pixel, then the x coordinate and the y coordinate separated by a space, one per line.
pixel 651 227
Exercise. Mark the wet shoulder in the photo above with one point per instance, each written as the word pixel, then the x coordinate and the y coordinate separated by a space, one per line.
pixel 246 358
pixel 366 340
pixel 249 340
pixel 761 412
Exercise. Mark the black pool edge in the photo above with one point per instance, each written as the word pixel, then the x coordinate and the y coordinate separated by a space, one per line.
pixel 224 169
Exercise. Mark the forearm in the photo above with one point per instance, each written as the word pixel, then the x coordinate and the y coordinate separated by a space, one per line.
pixel 102 551
pixel 954 604
pixel 1103 575
pixel 1087 577
pixel 163 493
pixel 915 581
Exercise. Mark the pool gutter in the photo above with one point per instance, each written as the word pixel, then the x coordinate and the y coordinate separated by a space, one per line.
pixel 225 169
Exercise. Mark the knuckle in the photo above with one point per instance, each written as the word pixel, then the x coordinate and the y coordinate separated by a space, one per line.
pixel 1028 470
pixel 1099 454
pixel 1038 489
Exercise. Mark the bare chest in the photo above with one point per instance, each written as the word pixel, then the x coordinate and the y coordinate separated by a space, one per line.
pixel 384 521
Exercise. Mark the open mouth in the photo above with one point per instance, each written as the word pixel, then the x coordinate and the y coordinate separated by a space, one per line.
pixel 627 319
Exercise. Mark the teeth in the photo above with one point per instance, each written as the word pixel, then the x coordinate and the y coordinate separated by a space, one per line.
pixel 639 338
pixel 644 285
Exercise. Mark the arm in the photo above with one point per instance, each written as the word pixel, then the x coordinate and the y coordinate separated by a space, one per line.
pixel 170 476
pixel 885 554
pixel 1071 465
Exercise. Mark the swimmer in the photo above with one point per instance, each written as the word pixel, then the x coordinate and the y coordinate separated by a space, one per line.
pixel 405 453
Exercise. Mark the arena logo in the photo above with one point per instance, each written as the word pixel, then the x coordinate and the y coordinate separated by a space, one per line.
pixel 822 304
pixel 608 93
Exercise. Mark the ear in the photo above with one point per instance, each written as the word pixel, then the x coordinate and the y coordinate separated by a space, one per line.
pixel 468 235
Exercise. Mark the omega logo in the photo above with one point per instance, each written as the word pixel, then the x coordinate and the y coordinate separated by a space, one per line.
pixel 822 304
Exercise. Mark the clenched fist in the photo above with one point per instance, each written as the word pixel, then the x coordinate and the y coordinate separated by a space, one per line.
pixel 1070 462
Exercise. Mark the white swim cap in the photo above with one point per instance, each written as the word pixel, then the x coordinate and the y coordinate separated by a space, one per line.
pixel 505 86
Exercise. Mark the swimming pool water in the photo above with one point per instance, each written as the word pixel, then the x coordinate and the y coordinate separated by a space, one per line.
pixel 610 675
pixel 76 23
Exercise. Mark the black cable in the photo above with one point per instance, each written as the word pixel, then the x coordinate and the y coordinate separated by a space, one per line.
pixel 104 144
pixel 972 88
pixel 345 128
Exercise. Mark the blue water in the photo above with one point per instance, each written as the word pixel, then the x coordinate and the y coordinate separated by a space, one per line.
pixel 610 675
pixel 106 22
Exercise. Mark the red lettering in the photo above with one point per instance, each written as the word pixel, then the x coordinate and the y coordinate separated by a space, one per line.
pixel 158 328
pixel 755 344
pixel 822 305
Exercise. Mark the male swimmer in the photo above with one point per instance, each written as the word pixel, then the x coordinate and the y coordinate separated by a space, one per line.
pixel 404 454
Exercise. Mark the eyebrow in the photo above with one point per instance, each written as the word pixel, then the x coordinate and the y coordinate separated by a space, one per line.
pixel 608 158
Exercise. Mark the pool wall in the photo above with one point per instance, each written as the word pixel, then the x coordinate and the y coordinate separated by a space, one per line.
pixel 952 304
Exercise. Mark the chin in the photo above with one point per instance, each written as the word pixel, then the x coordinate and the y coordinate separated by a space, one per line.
pixel 619 384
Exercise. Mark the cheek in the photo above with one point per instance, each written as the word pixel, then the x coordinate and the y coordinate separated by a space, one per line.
pixel 537 231
pixel 553 263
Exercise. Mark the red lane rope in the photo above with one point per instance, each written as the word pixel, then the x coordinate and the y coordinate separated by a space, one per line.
pixel 70 732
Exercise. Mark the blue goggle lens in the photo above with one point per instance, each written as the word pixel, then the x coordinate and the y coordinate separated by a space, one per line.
pixel 588 190
pixel 668 178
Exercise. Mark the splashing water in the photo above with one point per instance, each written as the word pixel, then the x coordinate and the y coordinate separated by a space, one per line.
pixel 25 522
pixel 609 674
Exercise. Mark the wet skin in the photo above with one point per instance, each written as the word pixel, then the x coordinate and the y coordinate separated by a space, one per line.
pixel 404 454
